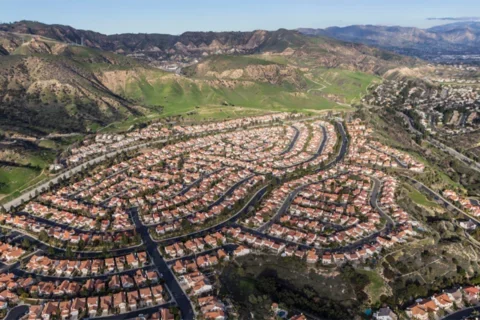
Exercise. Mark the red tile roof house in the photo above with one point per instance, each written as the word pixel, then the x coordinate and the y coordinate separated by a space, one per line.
pixel 92 305
pixel 471 294
pixel 35 312
pixel 327 259
pixel 9 296
pixel 120 302
pixel 178 267
pixel 133 300
pixel 157 292
pixel 146 297
pixel 127 281
pixel 50 309
pixel 443 301
pixel 166 315
pixel 105 305
pixel 152 276
pixel 241 251
pixel 64 307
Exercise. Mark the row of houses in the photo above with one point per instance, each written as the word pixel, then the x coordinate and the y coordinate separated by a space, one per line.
pixel 195 245
pixel 44 265
pixel 106 305
pixel 448 301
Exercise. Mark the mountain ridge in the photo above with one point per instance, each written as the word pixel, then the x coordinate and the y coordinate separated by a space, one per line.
pixel 430 43
pixel 43 79
pixel 186 48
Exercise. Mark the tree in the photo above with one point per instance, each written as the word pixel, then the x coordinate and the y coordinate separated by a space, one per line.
pixel 26 243
pixel 68 252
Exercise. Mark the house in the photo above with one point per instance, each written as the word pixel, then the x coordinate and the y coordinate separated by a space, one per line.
pixel 50 309
pixel 422 309
pixel 468 225
pixel 312 256
pixel 385 314
pixel 471 294
pixel 241 251
pixel 327 259
pixel 92 305
pixel 146 297
pixel 35 312
pixel 165 314
pixel 105 305
pixel 133 299
pixel 127 281
pixel 120 301
pixel 7 295
pixel 298 317
pixel 455 295
pixel 442 301
pixel 64 307
pixel 157 292
pixel 179 267
pixel 77 308
pixel 152 276
pixel 215 315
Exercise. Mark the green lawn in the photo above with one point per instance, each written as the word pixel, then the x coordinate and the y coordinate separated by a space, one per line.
pixel 181 96
pixel 349 85
pixel 12 178
pixel 419 198
pixel 376 287
pixel 30 167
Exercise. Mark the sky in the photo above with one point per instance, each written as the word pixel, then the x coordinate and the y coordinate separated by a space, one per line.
pixel 177 16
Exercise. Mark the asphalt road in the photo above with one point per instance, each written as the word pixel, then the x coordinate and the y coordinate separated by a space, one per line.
pixel 409 122
pixel 462 314
pixel 183 302
pixel 459 156
pixel 374 203
pixel 17 312
pixel 462 158
pixel 441 200
pixel 292 143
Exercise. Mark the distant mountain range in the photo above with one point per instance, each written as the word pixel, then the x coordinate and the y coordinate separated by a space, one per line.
pixel 154 47
pixel 460 38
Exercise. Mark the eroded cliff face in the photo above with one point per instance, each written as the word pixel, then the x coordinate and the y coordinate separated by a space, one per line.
pixel 155 46
pixel 272 73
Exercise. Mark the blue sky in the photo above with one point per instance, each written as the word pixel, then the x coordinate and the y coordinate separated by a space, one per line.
pixel 177 16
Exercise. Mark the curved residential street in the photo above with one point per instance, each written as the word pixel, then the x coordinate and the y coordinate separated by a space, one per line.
pixel 17 312
pixel 461 314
